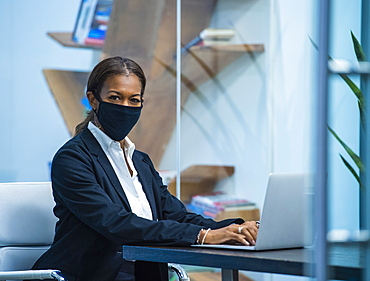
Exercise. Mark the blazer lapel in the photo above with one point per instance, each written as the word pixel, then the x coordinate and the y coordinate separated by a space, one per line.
pixel 97 152
pixel 146 180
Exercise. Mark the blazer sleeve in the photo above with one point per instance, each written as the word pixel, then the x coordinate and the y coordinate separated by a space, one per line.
pixel 81 198
pixel 173 209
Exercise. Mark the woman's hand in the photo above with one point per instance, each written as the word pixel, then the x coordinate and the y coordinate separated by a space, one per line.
pixel 245 234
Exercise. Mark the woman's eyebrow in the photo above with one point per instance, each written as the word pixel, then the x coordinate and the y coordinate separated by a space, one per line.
pixel 119 93
pixel 113 91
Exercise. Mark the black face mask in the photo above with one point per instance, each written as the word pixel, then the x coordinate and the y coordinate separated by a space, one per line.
pixel 117 120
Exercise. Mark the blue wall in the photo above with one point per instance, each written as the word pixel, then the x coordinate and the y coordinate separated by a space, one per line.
pixel 32 126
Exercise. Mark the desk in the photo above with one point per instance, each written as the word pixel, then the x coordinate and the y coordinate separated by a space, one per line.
pixel 345 260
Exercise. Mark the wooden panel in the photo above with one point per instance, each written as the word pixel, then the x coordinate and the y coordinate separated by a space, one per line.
pixel 133 29
pixel 195 16
pixel 199 179
pixel 141 29
pixel 157 122
pixel 68 90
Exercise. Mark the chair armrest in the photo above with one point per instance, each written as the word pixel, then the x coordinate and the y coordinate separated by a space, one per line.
pixel 181 273
pixel 32 275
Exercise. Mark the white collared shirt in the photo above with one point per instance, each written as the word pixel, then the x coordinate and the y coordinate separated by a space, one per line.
pixel 131 185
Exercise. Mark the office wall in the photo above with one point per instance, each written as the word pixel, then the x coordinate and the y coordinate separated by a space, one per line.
pixel 31 124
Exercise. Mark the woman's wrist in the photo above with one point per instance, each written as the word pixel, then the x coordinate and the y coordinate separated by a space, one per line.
pixel 201 237
pixel 204 236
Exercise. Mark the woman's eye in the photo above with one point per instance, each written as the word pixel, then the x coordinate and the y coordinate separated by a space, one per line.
pixel 135 101
pixel 115 98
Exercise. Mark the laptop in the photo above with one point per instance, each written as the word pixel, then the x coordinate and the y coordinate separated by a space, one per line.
pixel 284 214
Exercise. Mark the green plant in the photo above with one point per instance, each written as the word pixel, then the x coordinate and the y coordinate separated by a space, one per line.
pixel 362 111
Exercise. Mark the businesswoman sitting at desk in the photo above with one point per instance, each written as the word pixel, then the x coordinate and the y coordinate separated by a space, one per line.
pixel 108 194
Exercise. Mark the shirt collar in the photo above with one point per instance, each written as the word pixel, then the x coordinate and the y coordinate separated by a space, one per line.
pixel 106 142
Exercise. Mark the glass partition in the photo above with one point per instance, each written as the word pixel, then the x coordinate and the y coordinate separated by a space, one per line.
pixel 246 103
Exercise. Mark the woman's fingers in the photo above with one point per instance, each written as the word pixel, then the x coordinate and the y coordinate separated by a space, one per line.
pixel 249 230
pixel 245 234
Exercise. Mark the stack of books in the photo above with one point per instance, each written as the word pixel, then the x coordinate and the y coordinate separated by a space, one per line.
pixel 210 37
pixel 92 22
pixel 211 205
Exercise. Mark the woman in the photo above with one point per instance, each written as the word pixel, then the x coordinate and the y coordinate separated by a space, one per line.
pixel 108 194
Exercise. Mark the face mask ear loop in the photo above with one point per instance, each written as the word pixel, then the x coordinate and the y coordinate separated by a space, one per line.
pixel 96 120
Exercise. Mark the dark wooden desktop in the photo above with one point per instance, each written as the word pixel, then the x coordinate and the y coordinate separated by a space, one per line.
pixel 344 260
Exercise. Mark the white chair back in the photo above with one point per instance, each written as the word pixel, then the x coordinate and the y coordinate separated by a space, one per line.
pixel 27 223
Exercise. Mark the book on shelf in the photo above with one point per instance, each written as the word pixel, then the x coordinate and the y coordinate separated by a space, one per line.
pixel 92 22
pixel 212 204
pixel 210 37
pixel 201 211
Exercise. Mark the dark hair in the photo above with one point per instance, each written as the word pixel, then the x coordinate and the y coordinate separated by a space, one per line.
pixel 104 70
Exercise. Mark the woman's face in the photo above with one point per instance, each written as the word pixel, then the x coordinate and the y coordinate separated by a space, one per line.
pixel 120 89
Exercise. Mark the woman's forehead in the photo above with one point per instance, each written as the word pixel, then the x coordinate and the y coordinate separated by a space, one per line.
pixel 123 82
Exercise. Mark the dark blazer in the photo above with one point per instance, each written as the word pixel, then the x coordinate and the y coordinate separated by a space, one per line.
pixel 95 218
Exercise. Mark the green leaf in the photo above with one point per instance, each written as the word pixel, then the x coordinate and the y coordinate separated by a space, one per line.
pixel 353 155
pixel 362 114
pixel 360 55
pixel 356 90
pixel 352 170
pixel 313 43
pixel 358 48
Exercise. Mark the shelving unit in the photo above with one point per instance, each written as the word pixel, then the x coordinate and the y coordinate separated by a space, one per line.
pixel 145 31
pixel 202 179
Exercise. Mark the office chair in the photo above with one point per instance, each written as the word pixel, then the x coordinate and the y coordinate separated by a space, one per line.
pixel 27 225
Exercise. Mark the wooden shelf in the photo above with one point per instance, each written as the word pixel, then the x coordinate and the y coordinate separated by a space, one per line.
pixel 247 215
pixel 199 179
pixel 68 90
pixel 212 276
pixel 65 39
pixel 231 48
